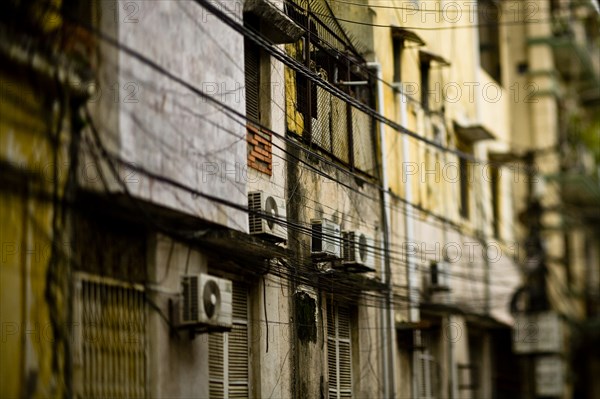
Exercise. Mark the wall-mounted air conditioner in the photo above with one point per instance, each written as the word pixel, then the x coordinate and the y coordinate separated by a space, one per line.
pixel 439 282
pixel 326 239
pixel 358 251
pixel 267 216
pixel 206 300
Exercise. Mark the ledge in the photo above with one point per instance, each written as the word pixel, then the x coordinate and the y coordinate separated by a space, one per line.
pixel 275 25
pixel 473 133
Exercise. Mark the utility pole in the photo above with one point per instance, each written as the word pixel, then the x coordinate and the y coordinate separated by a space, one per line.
pixel 538 330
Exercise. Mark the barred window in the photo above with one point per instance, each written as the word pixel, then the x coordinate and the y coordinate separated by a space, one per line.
pixel 228 352
pixel 315 115
pixel 339 351
pixel 110 357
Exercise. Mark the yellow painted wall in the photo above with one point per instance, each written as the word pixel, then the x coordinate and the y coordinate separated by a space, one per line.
pixel 27 346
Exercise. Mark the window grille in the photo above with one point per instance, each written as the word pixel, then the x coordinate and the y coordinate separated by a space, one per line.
pixel 111 343
pixel 329 123
pixel 228 353
pixel 339 351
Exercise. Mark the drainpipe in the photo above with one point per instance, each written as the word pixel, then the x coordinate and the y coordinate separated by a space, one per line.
pixel 411 271
pixel 387 320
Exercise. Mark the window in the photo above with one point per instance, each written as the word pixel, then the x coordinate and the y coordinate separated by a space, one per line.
pixel 398 46
pixel 489 49
pixel 425 67
pixel 252 79
pixel 313 114
pixel 426 375
pixel 463 166
pixel 339 353
pixel 110 355
pixel 260 155
pixel 464 177
pixel 495 192
pixel 228 352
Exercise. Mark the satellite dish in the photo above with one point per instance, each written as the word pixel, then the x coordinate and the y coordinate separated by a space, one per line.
pixel 211 298
pixel 272 210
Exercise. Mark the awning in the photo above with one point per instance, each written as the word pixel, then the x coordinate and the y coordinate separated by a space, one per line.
pixel 472 133
pixel 405 34
pixel 504 157
pixel 427 56
pixel 277 26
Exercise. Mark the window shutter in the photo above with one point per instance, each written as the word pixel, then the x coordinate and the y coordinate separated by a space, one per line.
pixel 228 352
pixel 252 73
pixel 339 352
pixel 215 366
pixel 345 355
pixel 425 376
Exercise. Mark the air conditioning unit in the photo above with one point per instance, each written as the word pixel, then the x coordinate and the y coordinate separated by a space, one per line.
pixel 439 284
pixel 326 239
pixel 358 251
pixel 206 300
pixel 267 215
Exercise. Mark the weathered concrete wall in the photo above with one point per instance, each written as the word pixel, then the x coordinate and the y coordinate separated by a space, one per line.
pixel 155 123
pixel 178 365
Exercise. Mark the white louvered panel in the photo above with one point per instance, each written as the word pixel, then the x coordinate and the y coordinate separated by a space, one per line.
pixel 343 322
pixel 228 352
pixel 216 390
pixel 113 340
pixel 215 356
pixel 215 366
pixel 238 355
pixel 238 391
pixel 331 321
pixel 332 363
pixel 425 376
pixel 339 352
pixel 240 302
pixel 345 367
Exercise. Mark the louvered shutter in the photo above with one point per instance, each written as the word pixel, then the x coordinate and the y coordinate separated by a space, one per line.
pixel 425 376
pixel 339 352
pixel 252 72
pixel 216 366
pixel 228 352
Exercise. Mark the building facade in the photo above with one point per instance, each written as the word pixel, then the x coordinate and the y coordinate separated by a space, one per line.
pixel 309 198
